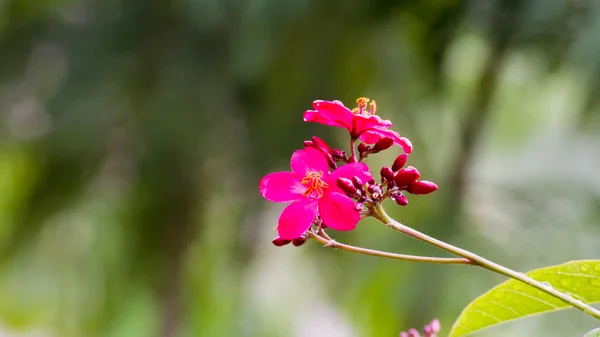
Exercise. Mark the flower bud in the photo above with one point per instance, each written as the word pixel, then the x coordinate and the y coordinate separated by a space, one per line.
pixel 299 241
pixel 346 185
pixel 358 207
pixel 413 333
pixel 383 144
pixel 386 174
pixel 280 242
pixel 399 162
pixel 362 148
pixel 338 154
pixel 403 334
pixel 357 182
pixel 352 159
pixel 406 176
pixel 421 187
pixel 308 143
pixel 401 200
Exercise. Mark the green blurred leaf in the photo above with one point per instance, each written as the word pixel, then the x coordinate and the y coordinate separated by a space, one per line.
pixel 513 299
pixel 593 333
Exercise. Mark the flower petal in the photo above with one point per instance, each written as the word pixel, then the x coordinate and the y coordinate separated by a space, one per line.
pixel 282 187
pixel 316 116
pixel 361 170
pixel 296 219
pixel 335 111
pixel 366 122
pixel 373 135
pixel 309 160
pixel 338 212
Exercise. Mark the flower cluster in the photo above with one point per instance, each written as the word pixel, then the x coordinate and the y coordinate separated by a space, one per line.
pixel 331 188
pixel 430 330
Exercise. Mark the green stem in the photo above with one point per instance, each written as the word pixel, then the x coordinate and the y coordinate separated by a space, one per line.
pixel 380 214
pixel 328 242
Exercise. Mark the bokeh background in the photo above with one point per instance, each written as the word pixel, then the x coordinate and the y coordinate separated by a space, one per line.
pixel 133 135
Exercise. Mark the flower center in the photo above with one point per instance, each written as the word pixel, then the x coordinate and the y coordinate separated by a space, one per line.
pixel 314 183
pixel 366 107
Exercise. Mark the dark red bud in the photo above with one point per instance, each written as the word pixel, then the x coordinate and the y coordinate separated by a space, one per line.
pixel 406 176
pixel 346 185
pixel 421 187
pixel 352 159
pixel 386 173
pixel 280 242
pixel 357 182
pixel 383 144
pixel 399 162
pixel 308 143
pixel 362 148
pixel 358 207
pixel 338 154
pixel 299 241
pixel 319 142
pixel 401 200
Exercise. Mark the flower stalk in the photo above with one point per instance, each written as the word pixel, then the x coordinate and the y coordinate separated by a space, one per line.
pixel 328 242
pixel 380 214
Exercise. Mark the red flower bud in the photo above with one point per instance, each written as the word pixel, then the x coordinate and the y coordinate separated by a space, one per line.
pixel 299 241
pixel 386 173
pixel 346 185
pixel 421 187
pixel 362 148
pixel 401 200
pixel 406 176
pixel 383 144
pixel 357 182
pixel 280 242
pixel 399 162
pixel 308 143
pixel 352 159
pixel 338 154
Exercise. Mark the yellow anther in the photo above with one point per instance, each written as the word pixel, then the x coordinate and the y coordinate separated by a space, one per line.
pixel 314 183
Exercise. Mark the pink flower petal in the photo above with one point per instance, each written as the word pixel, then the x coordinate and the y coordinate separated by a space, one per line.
pixel 361 170
pixel 309 160
pixel 282 187
pixel 335 111
pixel 337 211
pixel 364 123
pixel 372 136
pixel 296 219
pixel 316 116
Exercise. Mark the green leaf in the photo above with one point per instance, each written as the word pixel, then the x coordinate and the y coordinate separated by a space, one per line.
pixel 513 299
pixel 593 333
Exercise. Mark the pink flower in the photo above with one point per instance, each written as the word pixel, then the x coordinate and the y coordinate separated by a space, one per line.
pixel 312 190
pixel 361 122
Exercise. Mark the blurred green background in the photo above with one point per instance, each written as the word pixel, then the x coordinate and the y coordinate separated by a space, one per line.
pixel 133 135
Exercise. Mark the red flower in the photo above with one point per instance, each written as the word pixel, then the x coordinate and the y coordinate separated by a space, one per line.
pixel 312 190
pixel 361 122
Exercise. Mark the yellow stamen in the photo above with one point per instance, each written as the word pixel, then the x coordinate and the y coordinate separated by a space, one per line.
pixel 362 103
pixel 314 183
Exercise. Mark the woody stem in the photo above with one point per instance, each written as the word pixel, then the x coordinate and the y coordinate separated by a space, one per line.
pixel 476 260
pixel 328 242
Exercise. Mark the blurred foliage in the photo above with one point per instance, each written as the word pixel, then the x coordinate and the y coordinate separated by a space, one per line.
pixel 134 134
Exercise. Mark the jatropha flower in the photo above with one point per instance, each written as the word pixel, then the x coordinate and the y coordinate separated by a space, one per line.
pixel 313 191
pixel 361 122
pixel 430 330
